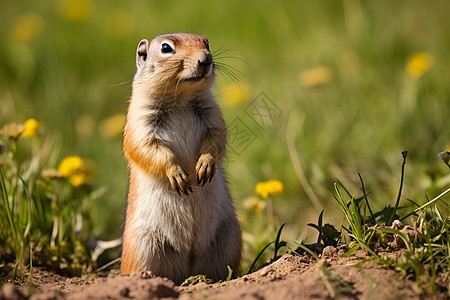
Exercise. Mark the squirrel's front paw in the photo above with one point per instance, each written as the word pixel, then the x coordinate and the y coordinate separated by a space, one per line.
pixel 206 168
pixel 178 179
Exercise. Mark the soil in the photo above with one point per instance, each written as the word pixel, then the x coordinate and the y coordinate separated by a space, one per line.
pixel 290 277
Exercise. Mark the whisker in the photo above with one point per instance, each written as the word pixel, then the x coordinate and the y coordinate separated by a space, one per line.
pixel 226 69
pixel 222 54
pixel 120 83
pixel 233 57
pixel 161 24
pixel 229 74
pixel 176 88
pixel 222 50
pixel 222 66
pixel 230 68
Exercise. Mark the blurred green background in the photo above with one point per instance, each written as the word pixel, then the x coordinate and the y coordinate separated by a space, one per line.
pixel 349 83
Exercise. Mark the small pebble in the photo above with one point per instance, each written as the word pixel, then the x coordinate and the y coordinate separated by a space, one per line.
pixel 329 251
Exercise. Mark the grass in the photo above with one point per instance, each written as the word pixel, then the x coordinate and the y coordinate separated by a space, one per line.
pixel 72 70
pixel 44 219
pixel 426 245
pixel 19 225
pixel 277 245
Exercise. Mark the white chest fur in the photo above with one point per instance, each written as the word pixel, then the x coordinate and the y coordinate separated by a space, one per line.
pixel 162 216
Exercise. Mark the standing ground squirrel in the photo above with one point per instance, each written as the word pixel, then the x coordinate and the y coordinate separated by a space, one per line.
pixel 180 219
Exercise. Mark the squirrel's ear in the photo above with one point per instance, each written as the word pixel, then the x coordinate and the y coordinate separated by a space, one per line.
pixel 141 53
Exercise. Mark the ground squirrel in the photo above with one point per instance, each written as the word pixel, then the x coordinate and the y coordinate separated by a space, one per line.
pixel 180 220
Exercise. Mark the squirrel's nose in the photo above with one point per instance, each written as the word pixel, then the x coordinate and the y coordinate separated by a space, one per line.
pixel 205 58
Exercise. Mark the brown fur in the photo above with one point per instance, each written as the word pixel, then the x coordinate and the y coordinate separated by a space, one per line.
pixel 180 219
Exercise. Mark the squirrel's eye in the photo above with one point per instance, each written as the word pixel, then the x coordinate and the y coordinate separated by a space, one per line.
pixel 166 48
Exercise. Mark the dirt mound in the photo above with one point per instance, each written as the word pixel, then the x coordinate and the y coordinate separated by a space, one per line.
pixel 290 277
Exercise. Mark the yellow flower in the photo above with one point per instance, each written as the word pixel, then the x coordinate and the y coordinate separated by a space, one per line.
pixel 235 93
pixel 315 76
pixel 269 188
pixel 260 189
pixel 12 130
pixel 70 165
pixel 419 64
pixel 32 127
pixel 26 27
pixel 77 179
pixel 119 24
pixel 75 169
pixel 75 10
pixel 112 126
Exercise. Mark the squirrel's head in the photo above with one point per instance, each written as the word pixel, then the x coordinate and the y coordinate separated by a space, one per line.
pixel 174 63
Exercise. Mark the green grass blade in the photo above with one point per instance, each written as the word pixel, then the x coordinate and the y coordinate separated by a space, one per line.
pixel 278 245
pixel 351 251
pixel 9 214
pixel 365 197
pixel 345 189
pixel 391 219
pixel 319 224
pixel 28 226
pixel 230 273
pixel 258 256
pixel 426 204
pixel 307 250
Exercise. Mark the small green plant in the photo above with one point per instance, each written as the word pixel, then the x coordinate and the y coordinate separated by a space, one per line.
pixel 357 229
pixel 385 215
pixel 277 245
pixel 45 213
pixel 394 211
pixel 259 222
pixel 18 224
pixel 427 244
pixel 429 253
pixel 328 235
pixel 196 279
pixel 230 274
